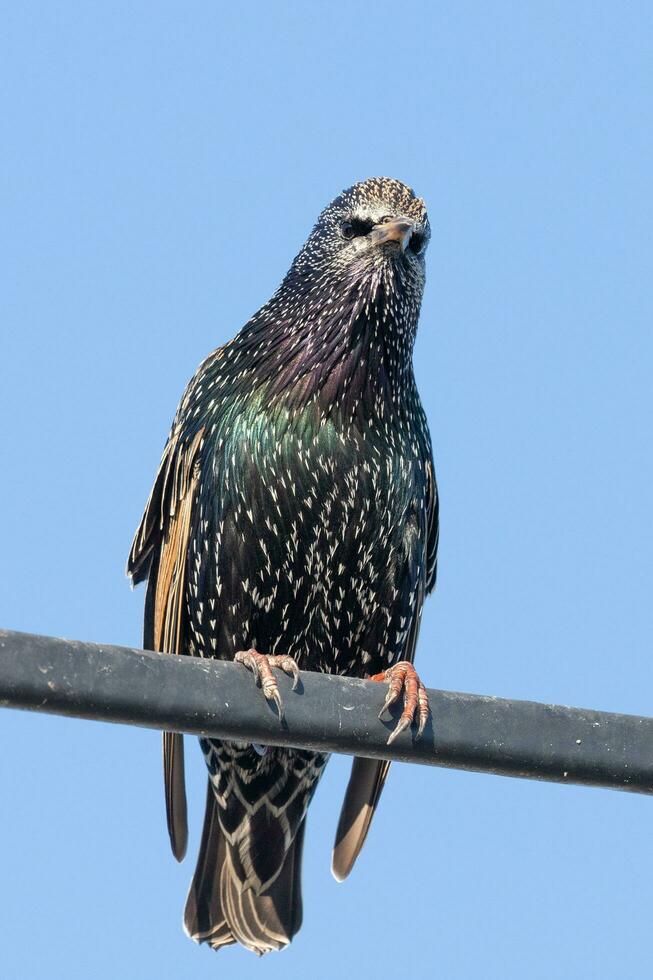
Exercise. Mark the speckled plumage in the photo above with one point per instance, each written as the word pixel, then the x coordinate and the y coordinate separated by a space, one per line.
pixel 295 511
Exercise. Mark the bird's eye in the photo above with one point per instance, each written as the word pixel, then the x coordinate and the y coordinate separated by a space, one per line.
pixel 355 228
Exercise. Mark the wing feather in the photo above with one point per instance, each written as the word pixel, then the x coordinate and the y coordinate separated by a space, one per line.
pixel 368 776
pixel 159 553
pixel 432 526
pixel 363 792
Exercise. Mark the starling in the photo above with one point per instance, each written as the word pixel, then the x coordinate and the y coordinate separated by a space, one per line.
pixel 293 523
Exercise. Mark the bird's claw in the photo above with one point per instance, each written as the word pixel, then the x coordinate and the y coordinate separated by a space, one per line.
pixel 261 665
pixel 402 676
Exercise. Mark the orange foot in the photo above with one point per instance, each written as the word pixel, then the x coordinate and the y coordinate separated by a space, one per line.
pixel 261 666
pixel 402 676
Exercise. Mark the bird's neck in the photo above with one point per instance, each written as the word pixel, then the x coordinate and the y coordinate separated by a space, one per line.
pixel 348 351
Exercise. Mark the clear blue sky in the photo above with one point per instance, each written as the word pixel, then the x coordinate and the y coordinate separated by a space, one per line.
pixel 162 163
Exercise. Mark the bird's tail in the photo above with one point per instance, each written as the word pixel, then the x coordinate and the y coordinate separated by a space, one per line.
pixel 221 909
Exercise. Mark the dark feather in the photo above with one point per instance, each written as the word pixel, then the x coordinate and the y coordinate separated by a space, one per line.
pixel 159 551
pixel 366 783
pixel 363 791
pixel 219 912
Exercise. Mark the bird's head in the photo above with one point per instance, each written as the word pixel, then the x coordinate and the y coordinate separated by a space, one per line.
pixel 344 318
pixel 376 226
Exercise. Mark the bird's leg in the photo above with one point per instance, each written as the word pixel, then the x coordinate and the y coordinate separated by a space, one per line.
pixel 402 676
pixel 261 666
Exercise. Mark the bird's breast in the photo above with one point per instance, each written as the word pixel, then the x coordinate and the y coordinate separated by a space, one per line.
pixel 312 546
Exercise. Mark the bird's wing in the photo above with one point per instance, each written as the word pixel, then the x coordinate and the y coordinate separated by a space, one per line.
pixel 432 526
pixel 366 782
pixel 368 776
pixel 159 554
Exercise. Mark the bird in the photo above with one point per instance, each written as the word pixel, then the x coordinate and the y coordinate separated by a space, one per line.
pixel 293 524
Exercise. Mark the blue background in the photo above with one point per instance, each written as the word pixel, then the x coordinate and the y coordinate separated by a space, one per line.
pixel 162 165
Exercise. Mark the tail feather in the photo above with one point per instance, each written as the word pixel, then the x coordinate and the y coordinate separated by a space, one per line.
pixel 221 911
pixel 204 920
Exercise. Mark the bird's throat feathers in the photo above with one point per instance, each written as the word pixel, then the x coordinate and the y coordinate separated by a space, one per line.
pixel 345 345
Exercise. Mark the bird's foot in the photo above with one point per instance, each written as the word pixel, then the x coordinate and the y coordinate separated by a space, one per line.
pixel 402 676
pixel 261 665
